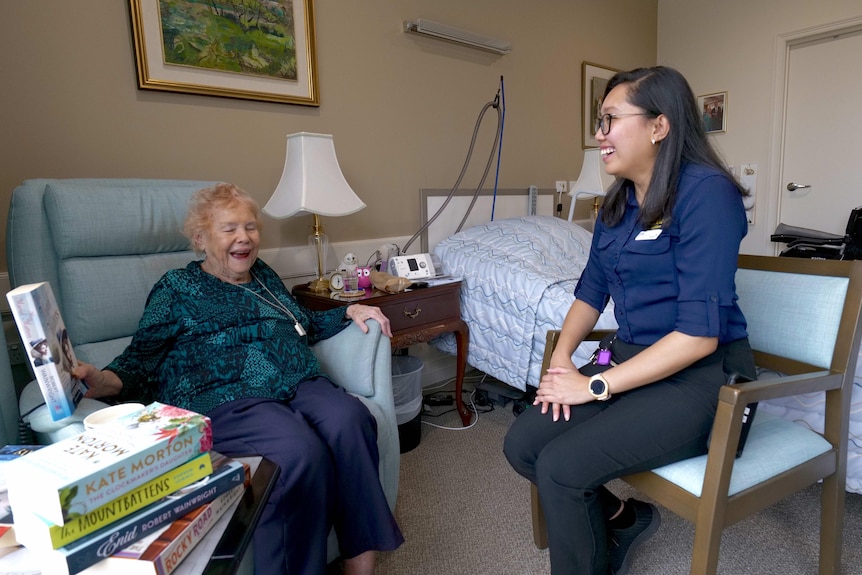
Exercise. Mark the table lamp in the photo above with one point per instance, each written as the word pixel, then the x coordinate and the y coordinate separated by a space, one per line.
pixel 593 181
pixel 312 183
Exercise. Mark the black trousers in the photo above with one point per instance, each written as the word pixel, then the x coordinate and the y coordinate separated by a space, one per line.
pixel 325 443
pixel 647 427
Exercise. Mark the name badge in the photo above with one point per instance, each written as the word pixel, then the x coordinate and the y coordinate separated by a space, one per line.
pixel 648 235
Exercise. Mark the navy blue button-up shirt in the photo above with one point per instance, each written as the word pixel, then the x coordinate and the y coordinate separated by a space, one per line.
pixel 676 279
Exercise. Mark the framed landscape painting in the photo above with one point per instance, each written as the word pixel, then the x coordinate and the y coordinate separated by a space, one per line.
pixel 230 48
pixel 594 80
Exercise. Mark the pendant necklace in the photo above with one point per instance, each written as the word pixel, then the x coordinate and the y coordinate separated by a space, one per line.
pixel 274 303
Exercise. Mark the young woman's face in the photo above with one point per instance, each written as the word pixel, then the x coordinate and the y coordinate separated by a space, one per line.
pixel 231 243
pixel 627 149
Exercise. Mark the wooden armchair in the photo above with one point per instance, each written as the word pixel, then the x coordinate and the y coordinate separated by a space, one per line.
pixel 803 322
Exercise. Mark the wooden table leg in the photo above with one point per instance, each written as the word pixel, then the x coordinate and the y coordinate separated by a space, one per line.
pixel 462 340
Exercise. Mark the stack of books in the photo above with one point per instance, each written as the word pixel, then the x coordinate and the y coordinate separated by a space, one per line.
pixel 133 496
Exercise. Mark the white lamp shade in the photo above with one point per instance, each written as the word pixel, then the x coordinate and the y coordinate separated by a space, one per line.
pixel 594 180
pixel 312 182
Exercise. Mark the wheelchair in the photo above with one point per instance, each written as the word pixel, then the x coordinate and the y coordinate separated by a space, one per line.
pixel 818 245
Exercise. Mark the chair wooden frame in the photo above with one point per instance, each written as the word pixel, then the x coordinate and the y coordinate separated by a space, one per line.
pixel 714 510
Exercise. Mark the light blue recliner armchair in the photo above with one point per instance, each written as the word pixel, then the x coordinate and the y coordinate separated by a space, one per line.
pixel 102 244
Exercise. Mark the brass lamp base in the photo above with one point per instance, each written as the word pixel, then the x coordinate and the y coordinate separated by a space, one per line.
pixel 320 284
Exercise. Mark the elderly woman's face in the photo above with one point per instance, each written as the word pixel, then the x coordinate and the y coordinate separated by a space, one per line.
pixel 231 243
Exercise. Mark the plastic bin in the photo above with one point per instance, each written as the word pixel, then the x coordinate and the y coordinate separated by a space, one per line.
pixel 407 392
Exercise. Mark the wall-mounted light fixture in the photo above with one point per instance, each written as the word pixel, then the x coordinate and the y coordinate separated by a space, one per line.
pixel 450 33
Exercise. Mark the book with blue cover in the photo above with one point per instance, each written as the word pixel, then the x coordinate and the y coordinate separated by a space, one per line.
pixel 149 522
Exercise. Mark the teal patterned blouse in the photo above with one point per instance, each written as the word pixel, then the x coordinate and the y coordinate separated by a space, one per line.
pixel 202 342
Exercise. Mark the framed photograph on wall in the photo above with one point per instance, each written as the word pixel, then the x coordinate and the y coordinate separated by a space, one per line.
pixel 713 109
pixel 217 49
pixel 594 79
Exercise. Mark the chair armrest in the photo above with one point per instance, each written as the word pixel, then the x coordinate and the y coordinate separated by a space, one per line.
pixel 752 391
pixel 35 413
pixel 349 358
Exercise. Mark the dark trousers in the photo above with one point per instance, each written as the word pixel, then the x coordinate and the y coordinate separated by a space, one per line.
pixel 647 427
pixel 325 443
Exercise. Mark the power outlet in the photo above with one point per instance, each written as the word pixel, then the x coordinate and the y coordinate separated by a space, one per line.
pixel 16 354
pixel 562 186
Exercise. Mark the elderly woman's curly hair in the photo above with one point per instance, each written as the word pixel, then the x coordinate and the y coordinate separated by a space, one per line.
pixel 205 201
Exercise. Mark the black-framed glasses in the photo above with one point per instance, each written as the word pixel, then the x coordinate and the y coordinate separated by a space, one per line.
pixel 605 121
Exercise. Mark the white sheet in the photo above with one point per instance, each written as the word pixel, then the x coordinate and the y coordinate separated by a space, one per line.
pixel 518 276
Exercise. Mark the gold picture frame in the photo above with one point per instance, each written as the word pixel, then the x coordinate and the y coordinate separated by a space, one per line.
pixel 254 67
pixel 594 79
pixel 713 109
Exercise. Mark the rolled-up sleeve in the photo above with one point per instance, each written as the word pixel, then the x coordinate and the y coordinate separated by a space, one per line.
pixel 711 222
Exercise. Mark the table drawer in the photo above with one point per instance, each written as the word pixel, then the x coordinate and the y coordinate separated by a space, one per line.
pixel 415 312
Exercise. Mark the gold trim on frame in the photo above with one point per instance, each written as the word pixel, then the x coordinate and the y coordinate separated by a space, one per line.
pixel 154 74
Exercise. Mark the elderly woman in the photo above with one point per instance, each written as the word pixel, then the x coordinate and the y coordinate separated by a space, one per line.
pixel 224 337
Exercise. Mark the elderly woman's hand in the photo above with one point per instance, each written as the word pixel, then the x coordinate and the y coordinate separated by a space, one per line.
pixel 100 383
pixel 360 313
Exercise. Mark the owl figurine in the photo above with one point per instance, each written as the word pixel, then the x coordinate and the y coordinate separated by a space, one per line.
pixel 349 262
pixel 364 275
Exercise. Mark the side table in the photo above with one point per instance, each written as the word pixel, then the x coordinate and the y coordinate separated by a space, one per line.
pixel 416 316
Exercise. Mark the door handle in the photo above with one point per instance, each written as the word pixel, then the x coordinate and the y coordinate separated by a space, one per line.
pixel 793 186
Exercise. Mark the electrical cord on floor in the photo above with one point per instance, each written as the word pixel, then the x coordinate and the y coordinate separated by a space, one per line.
pixel 471 406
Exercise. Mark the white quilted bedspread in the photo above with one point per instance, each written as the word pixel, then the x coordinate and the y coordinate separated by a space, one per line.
pixel 518 276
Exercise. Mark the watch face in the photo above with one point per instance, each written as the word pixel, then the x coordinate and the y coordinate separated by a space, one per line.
pixel 336 281
pixel 597 387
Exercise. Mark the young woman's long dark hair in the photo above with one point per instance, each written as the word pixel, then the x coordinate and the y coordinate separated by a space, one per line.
pixel 656 91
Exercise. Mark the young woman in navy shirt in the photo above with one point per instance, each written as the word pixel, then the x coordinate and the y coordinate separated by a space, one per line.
pixel 665 248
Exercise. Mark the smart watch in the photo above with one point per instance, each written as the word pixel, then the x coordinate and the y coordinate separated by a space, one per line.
pixel 599 387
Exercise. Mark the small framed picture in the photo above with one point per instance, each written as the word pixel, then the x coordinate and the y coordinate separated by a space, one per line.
pixel 713 109
pixel 594 80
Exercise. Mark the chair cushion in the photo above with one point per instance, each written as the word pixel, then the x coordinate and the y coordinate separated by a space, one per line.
pixel 774 446
pixel 777 303
pixel 113 240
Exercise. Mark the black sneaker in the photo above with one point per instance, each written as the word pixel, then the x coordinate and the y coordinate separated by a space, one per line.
pixel 622 541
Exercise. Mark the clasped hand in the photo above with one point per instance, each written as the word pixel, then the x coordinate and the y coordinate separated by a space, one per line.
pixel 560 388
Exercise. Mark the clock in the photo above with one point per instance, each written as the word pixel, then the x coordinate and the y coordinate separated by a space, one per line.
pixel 336 281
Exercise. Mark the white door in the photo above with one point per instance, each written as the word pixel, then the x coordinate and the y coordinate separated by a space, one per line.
pixel 823 133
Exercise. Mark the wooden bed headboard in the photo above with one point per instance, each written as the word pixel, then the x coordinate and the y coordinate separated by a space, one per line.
pixel 509 203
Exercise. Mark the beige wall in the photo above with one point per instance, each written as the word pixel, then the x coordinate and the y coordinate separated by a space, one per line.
pixel 402 108
pixel 731 46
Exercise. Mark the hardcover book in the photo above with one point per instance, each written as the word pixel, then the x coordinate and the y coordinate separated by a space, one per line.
pixel 83 472
pixel 37 533
pixel 163 551
pixel 148 523
pixel 48 347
